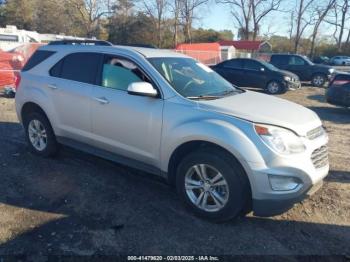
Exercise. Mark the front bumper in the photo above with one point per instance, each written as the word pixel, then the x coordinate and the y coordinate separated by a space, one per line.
pixel 292 85
pixel 273 207
pixel 309 168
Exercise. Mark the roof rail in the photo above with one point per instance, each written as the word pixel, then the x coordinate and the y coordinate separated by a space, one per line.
pixel 80 42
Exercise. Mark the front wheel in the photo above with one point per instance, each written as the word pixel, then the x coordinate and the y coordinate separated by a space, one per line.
pixel 274 87
pixel 213 185
pixel 318 80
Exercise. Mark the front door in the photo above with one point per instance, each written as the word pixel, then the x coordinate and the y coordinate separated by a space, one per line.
pixel 125 124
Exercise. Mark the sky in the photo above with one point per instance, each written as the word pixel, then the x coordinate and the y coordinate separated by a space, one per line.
pixel 218 17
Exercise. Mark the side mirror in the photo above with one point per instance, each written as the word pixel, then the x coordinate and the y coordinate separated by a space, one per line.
pixel 142 89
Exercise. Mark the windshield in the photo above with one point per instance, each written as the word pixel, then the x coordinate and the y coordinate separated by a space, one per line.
pixel 192 79
pixel 269 66
pixel 308 60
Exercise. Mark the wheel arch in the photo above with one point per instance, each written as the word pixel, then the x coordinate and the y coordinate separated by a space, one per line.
pixel 191 146
pixel 30 107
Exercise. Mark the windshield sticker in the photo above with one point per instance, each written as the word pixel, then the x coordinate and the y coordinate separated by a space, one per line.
pixel 205 68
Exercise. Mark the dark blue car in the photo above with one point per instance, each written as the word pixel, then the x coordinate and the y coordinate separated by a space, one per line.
pixel 338 92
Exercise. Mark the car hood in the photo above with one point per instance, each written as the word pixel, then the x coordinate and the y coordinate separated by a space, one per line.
pixel 265 109
pixel 322 67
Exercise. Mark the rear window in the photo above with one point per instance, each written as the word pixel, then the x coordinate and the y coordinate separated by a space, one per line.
pixel 9 38
pixel 234 63
pixel 342 77
pixel 38 57
pixel 80 67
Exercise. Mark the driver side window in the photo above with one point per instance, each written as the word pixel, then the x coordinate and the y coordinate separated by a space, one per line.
pixel 295 60
pixel 118 73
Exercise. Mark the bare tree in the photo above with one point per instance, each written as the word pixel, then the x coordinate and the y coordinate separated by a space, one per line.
pixel 302 21
pixel 248 14
pixel 260 9
pixel 320 12
pixel 175 9
pixel 340 17
pixel 241 11
pixel 156 9
pixel 187 11
pixel 91 12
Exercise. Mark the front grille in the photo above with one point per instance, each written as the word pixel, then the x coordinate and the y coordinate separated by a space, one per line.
pixel 315 133
pixel 320 157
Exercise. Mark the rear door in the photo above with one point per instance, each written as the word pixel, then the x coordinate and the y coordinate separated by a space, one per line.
pixel 280 61
pixel 71 85
pixel 232 71
pixel 125 124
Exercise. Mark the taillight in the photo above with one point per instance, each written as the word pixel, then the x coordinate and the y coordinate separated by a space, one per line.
pixel 340 82
pixel 17 81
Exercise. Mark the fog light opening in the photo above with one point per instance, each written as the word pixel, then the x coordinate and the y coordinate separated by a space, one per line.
pixel 283 183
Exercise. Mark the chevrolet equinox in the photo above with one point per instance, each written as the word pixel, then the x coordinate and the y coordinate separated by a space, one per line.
pixel 226 150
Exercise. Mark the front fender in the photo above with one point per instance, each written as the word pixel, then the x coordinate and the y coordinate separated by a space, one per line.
pixel 229 136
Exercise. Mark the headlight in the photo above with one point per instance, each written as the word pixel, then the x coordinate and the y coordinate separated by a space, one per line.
pixel 331 70
pixel 287 78
pixel 279 139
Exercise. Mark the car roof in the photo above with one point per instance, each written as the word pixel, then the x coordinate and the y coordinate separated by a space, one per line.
pixel 146 52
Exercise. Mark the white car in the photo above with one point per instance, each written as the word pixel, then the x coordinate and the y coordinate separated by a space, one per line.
pixel 227 150
pixel 340 60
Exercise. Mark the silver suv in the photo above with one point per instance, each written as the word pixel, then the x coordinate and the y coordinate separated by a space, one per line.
pixel 228 151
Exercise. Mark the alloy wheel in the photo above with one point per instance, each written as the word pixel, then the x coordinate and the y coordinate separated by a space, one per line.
pixel 37 135
pixel 273 87
pixel 206 187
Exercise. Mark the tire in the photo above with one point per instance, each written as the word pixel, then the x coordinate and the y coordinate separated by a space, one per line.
pixel 274 88
pixel 43 143
pixel 318 80
pixel 233 195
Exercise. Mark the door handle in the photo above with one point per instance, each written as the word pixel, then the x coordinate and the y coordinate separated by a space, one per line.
pixel 52 86
pixel 102 100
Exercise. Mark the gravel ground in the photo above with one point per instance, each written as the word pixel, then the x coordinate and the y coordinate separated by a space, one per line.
pixel 77 204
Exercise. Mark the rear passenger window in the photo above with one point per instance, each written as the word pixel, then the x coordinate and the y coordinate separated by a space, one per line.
pixel 118 73
pixel 279 60
pixel 80 67
pixel 235 63
pixel 38 57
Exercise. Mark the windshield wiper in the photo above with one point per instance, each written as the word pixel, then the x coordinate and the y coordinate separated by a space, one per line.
pixel 209 97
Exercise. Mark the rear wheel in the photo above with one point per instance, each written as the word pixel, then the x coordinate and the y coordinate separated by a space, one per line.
pixel 318 80
pixel 213 185
pixel 39 134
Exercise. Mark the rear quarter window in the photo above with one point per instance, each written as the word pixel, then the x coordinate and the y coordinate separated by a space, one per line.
pixel 38 57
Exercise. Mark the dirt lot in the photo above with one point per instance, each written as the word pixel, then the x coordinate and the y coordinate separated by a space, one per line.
pixel 80 204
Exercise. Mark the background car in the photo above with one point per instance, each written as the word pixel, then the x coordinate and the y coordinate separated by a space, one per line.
pixel 338 92
pixel 340 60
pixel 321 60
pixel 303 68
pixel 245 72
